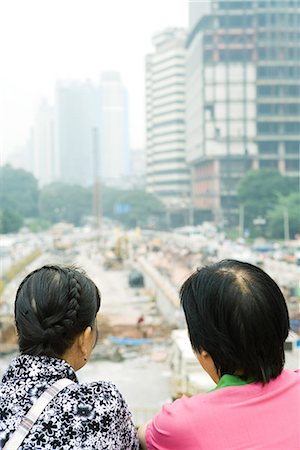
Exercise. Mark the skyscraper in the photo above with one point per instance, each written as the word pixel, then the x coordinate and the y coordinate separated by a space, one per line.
pixel 113 134
pixel 76 119
pixel 167 171
pixel 242 106
pixel 43 144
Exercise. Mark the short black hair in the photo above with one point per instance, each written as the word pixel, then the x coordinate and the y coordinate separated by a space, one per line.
pixel 53 305
pixel 237 313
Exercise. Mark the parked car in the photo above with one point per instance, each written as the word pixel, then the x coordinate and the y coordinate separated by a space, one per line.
pixel 136 279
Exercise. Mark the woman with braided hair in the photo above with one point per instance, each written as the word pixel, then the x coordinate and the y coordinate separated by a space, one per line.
pixel 43 406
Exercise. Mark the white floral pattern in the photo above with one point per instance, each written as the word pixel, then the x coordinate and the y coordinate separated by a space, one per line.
pixel 82 417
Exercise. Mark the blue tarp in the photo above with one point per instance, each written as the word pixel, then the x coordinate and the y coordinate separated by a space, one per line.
pixel 129 341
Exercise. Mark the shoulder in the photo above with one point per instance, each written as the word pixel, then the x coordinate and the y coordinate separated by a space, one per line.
pixel 95 391
pixel 176 420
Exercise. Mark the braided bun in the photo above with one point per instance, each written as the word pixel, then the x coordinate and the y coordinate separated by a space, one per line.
pixel 53 305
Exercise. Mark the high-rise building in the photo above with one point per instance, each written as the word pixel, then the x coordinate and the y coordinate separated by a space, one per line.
pixel 167 171
pixel 113 134
pixel 43 144
pixel 76 130
pixel 138 168
pixel 243 97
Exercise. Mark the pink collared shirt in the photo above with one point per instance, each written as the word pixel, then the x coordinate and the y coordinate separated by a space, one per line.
pixel 252 416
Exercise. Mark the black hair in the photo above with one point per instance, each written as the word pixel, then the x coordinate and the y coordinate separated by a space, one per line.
pixel 238 314
pixel 54 305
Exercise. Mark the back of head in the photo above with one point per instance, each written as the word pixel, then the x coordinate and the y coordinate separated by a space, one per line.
pixel 238 314
pixel 53 305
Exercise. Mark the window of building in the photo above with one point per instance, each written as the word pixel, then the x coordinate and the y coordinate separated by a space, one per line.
pixel 168 123
pixel 262 19
pixel 265 109
pixel 208 39
pixel 229 201
pixel 208 56
pixel 268 128
pixel 236 38
pixel 234 4
pixel 293 90
pixel 292 164
pixel 291 109
pixel 262 4
pixel 278 72
pixel 293 53
pixel 268 147
pixel 275 90
pixel 236 21
pixel 264 91
pixel 292 147
pixel 209 111
pixel 234 55
pixel 291 127
pixel 268 164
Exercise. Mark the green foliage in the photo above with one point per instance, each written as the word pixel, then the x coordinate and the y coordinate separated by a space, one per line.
pixel 35 225
pixel 259 191
pixel 275 218
pixel 142 208
pixel 10 221
pixel 19 191
pixel 61 202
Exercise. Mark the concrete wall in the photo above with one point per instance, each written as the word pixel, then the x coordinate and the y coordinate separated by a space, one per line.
pixel 166 296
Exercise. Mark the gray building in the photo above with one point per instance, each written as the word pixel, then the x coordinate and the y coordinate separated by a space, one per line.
pixel 167 171
pixel 43 144
pixel 113 134
pixel 242 99
pixel 76 119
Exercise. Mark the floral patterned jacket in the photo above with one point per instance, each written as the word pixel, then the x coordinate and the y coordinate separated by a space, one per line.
pixel 82 416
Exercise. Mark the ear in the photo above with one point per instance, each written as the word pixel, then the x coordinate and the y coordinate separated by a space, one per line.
pixel 208 365
pixel 84 341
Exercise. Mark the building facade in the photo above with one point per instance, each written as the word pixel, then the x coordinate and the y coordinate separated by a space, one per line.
pixel 242 99
pixel 167 172
pixel 43 144
pixel 76 124
pixel 114 135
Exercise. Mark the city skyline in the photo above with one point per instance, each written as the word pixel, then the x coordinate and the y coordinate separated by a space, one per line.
pixel 57 41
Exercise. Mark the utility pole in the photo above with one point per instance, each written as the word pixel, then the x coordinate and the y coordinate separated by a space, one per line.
pixel 97 193
pixel 241 220
pixel 286 224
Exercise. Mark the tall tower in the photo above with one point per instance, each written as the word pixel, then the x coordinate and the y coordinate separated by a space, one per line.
pixel 43 144
pixel 167 171
pixel 76 117
pixel 113 136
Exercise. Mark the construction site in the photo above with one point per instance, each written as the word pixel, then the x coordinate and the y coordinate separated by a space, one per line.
pixel 142 334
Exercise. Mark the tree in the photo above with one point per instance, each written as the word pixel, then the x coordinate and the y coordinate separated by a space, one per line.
pixel 18 192
pixel 10 221
pixel 287 209
pixel 62 202
pixel 132 207
pixel 259 193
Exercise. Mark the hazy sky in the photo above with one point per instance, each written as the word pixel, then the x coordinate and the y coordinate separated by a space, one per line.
pixel 42 41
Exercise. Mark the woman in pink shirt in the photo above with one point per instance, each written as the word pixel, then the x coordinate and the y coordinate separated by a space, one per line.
pixel 237 322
